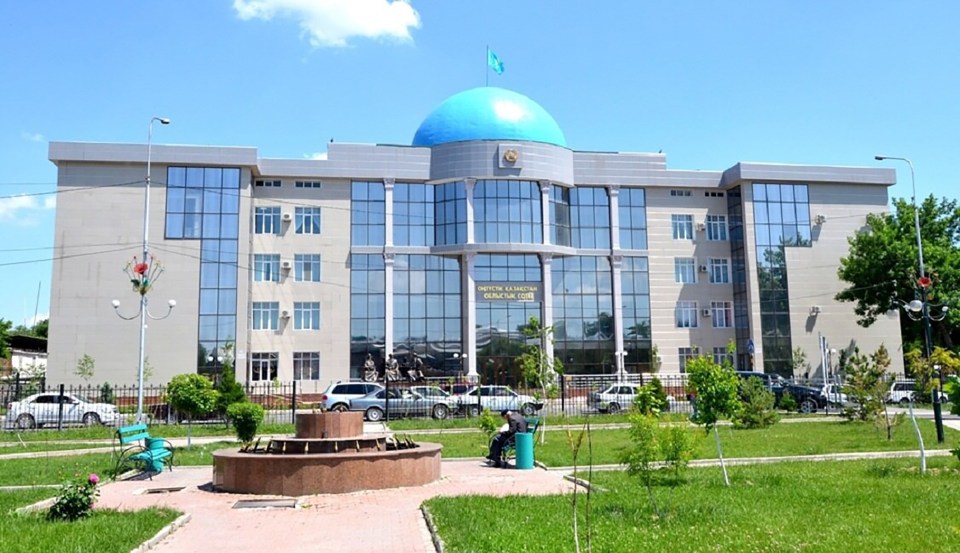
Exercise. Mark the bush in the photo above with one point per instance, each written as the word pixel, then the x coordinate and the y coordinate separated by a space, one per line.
pixel 106 393
pixel 75 500
pixel 651 399
pixel 489 423
pixel 246 419
pixel 788 402
pixel 756 406
pixel 230 390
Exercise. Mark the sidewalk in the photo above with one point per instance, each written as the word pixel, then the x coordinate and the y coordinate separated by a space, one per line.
pixel 373 521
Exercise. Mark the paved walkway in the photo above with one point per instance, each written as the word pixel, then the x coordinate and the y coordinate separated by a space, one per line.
pixel 375 521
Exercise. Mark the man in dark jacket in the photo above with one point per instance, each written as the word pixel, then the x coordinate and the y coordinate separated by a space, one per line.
pixel 515 423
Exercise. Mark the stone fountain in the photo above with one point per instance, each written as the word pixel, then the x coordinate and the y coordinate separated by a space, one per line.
pixel 330 454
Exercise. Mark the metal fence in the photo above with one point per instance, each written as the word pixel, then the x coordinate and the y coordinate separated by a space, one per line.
pixel 570 396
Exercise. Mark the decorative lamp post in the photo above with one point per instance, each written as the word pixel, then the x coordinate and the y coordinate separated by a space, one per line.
pixel 621 364
pixel 144 272
pixel 463 361
pixel 919 308
pixel 217 362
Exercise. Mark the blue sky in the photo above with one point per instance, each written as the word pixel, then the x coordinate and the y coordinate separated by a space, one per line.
pixel 710 83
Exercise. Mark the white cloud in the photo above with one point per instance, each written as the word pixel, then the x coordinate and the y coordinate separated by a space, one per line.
pixel 333 22
pixel 18 207
pixel 32 136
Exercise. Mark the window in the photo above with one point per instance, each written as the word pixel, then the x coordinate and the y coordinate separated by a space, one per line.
pixel 684 270
pixel 368 217
pixel 307 220
pixel 722 314
pixel 266 267
pixel 307 184
pixel 687 314
pixel 680 193
pixel 266 315
pixel 685 355
pixel 633 219
pixel 267 220
pixel 682 227
pixel 713 194
pixel 719 271
pixel 306 315
pixel 306 267
pixel 414 210
pixel 268 183
pixel 716 227
pixel 263 366
pixel 720 355
pixel 306 365
pixel 508 211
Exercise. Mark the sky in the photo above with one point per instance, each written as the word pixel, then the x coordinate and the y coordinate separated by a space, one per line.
pixel 709 83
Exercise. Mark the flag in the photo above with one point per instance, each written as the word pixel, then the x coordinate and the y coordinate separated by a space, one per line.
pixel 494 62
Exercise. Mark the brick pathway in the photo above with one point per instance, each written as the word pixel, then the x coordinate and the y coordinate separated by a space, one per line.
pixel 385 520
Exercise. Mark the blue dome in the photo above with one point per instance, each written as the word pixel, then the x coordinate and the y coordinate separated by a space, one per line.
pixel 488 113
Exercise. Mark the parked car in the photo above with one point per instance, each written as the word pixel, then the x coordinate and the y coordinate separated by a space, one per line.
pixel 401 402
pixel 613 398
pixel 497 398
pixel 833 394
pixel 905 391
pixel 337 396
pixel 430 391
pixel 808 398
pixel 771 381
pixel 40 409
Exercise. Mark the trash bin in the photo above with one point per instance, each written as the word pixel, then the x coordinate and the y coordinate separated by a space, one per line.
pixel 524 441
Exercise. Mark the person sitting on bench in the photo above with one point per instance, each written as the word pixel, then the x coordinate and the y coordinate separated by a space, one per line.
pixel 515 423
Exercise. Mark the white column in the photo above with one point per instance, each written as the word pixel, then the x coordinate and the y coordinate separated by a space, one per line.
pixel 388 305
pixel 546 262
pixel 469 306
pixel 614 192
pixel 545 210
pixel 468 186
pixel 388 205
pixel 616 263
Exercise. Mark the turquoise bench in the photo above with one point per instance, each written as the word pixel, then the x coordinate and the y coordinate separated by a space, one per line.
pixel 137 447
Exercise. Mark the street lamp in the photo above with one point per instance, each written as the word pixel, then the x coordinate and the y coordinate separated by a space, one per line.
pixel 621 364
pixel 144 284
pixel 217 362
pixel 919 308
pixel 463 360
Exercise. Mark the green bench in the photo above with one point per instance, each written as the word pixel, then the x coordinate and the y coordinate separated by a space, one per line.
pixel 510 448
pixel 137 447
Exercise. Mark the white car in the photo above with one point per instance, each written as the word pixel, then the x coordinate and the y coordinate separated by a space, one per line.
pixel 905 391
pixel 497 398
pixel 40 409
pixel 614 398
pixel 833 394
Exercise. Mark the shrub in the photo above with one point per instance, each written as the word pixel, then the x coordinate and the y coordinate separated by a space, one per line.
pixel 75 500
pixel 246 417
pixel 788 402
pixel 106 393
pixel 651 399
pixel 489 423
pixel 756 406
pixel 230 390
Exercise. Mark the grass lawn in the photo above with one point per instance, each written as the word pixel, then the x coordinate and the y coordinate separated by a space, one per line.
pixel 881 505
pixel 104 531
pixel 32 447
pixel 802 438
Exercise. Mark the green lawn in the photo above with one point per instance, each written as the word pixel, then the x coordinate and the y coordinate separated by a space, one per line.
pixel 802 438
pixel 812 507
pixel 105 531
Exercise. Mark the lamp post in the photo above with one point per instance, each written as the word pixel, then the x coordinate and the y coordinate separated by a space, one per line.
pixel 145 283
pixel 621 364
pixel 217 362
pixel 919 308
pixel 463 361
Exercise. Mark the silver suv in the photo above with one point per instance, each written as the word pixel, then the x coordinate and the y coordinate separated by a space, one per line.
pixel 905 391
pixel 614 398
pixel 337 396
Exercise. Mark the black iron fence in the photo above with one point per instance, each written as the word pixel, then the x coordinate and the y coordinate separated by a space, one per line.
pixel 571 395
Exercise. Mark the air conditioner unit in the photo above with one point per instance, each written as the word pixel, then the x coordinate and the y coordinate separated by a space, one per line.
pixel 287 217
pixel 820 219
pixel 286 264
pixel 284 314
pixel 815 310
pixel 703 268
pixel 705 312
pixel 701 227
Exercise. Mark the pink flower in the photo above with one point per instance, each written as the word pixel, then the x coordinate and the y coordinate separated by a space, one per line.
pixel 94 479
pixel 140 268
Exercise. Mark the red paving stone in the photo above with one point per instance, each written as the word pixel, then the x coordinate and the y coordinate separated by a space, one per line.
pixel 373 521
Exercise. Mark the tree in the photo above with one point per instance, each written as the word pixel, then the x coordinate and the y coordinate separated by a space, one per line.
pixel 4 338
pixel 756 408
pixel 85 367
pixel 882 265
pixel 193 395
pixel 537 367
pixel 230 390
pixel 924 370
pixel 799 361
pixel 715 396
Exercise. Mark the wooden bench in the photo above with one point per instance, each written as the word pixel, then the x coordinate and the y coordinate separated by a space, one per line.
pixel 510 448
pixel 136 446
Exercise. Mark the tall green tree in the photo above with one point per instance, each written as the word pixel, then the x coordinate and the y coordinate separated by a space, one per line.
pixel 715 390
pixel 5 326
pixel 882 266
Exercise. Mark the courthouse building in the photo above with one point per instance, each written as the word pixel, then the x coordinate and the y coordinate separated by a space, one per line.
pixel 446 247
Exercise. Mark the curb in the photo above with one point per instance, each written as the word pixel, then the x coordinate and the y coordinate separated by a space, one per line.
pixel 162 534
pixel 434 536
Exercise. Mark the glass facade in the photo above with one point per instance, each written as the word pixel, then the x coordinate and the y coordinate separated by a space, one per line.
pixel 368 215
pixel 635 292
pixel 507 211
pixel 584 330
pixel 781 220
pixel 560 216
pixel 738 266
pixel 413 214
pixel 368 311
pixel 426 310
pixel 204 203
pixel 590 218
pixel 633 219
pixel 450 213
